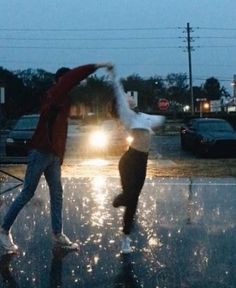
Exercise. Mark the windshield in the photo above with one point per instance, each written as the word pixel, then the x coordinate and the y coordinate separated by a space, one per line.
pixel 215 126
pixel 27 123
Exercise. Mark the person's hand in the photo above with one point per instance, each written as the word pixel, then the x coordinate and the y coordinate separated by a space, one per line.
pixel 110 67
pixel 111 71
pixel 107 65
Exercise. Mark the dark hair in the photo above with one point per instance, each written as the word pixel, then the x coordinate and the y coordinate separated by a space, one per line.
pixel 61 72
pixel 114 108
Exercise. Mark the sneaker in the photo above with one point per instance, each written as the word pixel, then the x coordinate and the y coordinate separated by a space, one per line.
pixel 6 241
pixel 125 245
pixel 61 240
pixel 119 200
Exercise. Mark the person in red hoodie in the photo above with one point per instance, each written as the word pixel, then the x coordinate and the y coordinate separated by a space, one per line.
pixel 46 155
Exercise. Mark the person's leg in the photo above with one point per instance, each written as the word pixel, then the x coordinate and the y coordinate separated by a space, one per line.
pixel 120 199
pixel 53 178
pixel 36 165
pixel 128 218
pixel 133 180
pixel 132 169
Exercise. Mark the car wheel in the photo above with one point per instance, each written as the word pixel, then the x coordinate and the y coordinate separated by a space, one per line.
pixel 199 151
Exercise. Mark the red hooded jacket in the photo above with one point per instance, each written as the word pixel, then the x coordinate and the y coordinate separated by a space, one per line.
pixel 51 132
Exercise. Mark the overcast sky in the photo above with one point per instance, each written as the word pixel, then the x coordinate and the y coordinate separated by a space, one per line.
pixel 145 37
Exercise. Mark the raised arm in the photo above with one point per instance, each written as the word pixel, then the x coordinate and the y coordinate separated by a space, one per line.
pixel 125 113
pixel 71 79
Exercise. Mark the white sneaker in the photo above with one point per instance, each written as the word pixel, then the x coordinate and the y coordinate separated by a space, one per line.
pixel 125 245
pixel 61 240
pixel 6 241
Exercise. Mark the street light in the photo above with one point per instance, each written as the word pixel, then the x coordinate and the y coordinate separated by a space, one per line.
pixel 186 108
pixel 201 106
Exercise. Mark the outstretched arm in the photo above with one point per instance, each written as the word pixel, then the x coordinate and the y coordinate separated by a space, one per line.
pixel 125 113
pixel 107 65
pixel 71 79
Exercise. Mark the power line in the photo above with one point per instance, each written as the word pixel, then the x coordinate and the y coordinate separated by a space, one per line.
pixel 216 37
pixel 87 29
pixel 217 28
pixel 89 48
pixel 112 29
pixel 216 46
pixel 126 64
pixel 88 39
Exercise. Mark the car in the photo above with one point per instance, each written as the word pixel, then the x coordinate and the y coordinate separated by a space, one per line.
pixel 19 136
pixel 208 137
pixel 108 138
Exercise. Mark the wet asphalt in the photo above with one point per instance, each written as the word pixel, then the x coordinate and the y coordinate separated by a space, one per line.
pixel 184 235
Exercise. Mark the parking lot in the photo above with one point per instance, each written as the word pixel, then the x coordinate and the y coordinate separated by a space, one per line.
pixel 184 239
pixel 166 159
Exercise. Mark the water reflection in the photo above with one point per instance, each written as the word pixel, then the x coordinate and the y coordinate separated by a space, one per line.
pixel 127 278
pixel 190 204
pixel 7 272
pixel 184 236
pixel 55 278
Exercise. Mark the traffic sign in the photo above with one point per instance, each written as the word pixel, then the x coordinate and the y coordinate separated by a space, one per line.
pixel 163 104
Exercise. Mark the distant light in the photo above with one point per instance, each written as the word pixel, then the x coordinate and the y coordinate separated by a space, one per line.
pixel 206 105
pixel 186 108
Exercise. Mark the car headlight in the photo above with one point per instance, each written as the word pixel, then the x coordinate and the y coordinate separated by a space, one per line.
pixel 98 139
pixel 129 139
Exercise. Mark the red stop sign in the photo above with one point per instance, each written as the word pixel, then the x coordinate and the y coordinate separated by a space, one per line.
pixel 163 104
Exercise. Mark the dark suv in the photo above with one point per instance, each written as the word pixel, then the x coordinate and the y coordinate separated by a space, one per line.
pixel 20 135
pixel 208 136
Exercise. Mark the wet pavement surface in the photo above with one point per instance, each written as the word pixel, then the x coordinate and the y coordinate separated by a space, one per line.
pixel 184 236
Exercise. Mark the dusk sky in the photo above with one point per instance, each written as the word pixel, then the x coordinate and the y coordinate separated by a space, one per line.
pixel 145 37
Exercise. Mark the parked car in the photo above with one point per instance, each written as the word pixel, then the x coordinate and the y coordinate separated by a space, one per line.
pixel 208 137
pixel 20 135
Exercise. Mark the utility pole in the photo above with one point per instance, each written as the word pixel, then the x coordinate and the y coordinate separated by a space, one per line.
pixel 2 100
pixel 189 30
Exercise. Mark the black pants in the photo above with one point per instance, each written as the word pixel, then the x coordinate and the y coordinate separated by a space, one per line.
pixel 132 168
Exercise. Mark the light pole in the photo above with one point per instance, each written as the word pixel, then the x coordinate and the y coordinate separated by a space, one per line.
pixel 2 101
pixel 190 67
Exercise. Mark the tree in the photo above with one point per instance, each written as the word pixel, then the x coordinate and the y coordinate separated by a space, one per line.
pixel 37 82
pixel 212 89
pixel 149 90
pixel 15 94
pixel 136 83
pixel 93 91
pixel 177 87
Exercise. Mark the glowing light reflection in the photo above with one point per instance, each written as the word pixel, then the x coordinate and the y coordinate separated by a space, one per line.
pixel 95 162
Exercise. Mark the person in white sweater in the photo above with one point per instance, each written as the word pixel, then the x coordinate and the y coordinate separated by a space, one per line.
pixel 133 163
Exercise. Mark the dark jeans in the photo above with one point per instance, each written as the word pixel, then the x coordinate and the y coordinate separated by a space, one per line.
pixel 132 168
pixel 39 163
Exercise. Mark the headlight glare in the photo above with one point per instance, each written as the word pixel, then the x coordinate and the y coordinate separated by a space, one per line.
pixel 98 139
